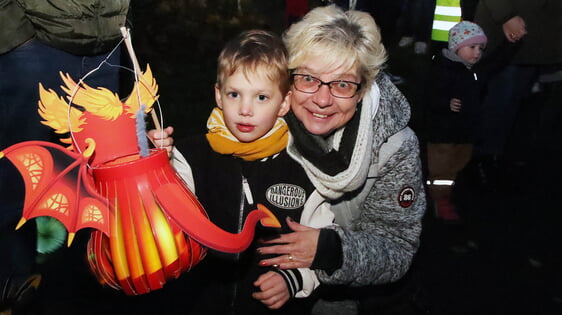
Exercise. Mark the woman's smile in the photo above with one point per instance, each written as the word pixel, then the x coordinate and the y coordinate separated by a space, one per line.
pixel 318 115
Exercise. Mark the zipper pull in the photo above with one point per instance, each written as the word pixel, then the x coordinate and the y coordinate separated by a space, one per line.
pixel 247 191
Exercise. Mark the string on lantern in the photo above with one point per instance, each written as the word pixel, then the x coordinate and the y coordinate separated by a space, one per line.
pixel 137 78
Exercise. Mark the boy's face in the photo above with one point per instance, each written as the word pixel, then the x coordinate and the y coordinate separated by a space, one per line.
pixel 251 104
pixel 471 54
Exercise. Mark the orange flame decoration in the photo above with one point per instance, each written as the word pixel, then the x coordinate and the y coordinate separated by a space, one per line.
pixel 149 228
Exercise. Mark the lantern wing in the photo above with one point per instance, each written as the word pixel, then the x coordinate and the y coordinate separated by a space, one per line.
pixel 57 185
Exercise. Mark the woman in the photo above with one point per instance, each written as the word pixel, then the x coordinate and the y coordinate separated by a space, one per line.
pixel 349 132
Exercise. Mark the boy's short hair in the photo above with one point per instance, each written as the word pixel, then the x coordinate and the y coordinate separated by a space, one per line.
pixel 253 51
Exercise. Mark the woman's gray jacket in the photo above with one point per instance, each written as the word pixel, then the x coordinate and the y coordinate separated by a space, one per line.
pixel 379 223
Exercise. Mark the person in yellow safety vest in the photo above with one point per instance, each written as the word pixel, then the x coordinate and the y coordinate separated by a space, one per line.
pixel 447 14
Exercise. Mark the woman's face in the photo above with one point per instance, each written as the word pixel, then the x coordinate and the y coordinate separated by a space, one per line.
pixel 322 113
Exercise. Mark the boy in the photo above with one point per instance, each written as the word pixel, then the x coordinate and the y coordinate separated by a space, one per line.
pixel 241 162
pixel 455 111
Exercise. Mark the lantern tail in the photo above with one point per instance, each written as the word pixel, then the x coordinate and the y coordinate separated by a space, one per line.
pixel 198 226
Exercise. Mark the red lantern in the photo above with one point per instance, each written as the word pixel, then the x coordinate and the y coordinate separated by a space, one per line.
pixel 149 226
pixel 145 248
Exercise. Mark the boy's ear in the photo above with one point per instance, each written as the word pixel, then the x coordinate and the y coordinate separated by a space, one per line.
pixel 218 98
pixel 285 105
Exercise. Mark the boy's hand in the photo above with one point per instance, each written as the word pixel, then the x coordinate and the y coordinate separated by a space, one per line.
pixel 455 105
pixel 162 138
pixel 274 292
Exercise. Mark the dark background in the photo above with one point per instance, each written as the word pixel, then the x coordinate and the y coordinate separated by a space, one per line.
pixel 505 258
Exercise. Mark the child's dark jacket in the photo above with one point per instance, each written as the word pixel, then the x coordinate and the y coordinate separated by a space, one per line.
pixel 453 79
pixel 279 183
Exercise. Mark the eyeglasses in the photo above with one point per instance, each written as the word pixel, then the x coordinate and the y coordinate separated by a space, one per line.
pixel 338 88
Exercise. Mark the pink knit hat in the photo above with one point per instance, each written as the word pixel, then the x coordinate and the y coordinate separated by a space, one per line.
pixel 465 33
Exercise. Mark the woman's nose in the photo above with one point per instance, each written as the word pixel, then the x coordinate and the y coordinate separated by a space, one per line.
pixel 323 97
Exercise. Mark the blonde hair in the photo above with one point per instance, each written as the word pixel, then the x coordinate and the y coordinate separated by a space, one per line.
pixel 349 38
pixel 255 51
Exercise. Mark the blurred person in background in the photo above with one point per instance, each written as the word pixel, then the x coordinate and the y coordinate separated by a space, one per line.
pixel 533 30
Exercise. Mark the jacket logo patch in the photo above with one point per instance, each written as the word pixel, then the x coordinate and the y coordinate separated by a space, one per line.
pixel 406 197
pixel 286 196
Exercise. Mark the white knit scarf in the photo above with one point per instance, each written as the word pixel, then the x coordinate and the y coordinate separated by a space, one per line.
pixel 333 187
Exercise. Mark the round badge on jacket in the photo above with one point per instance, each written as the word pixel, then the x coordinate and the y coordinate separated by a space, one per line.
pixel 406 196
pixel 286 196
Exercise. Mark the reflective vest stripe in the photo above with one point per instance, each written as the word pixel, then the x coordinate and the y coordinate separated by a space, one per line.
pixel 441 29
pixel 443 25
pixel 440 182
pixel 447 14
pixel 445 10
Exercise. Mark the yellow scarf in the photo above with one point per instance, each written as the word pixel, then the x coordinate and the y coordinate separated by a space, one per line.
pixel 224 142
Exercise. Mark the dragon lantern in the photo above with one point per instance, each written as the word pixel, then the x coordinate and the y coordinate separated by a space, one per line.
pixel 148 227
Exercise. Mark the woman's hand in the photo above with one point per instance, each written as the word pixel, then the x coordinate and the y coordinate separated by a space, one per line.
pixel 514 29
pixel 273 290
pixel 162 139
pixel 295 250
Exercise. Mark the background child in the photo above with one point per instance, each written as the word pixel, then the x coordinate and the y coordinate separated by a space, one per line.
pixel 241 162
pixel 455 108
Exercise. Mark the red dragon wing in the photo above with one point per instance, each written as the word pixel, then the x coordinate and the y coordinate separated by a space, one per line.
pixel 58 185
